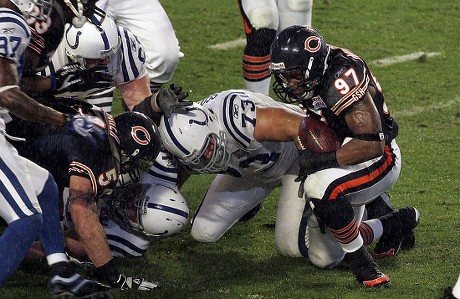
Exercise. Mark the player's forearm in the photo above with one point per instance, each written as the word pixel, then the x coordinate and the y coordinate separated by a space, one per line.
pixel 23 106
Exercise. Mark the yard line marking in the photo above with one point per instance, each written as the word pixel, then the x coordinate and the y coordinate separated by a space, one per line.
pixel 403 58
pixel 420 109
pixel 229 45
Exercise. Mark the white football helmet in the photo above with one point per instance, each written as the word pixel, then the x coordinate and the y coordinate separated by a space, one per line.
pixel 189 133
pixel 96 40
pixel 38 9
pixel 153 210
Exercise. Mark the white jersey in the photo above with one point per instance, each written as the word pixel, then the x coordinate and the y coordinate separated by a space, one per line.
pixel 15 35
pixel 132 64
pixel 236 112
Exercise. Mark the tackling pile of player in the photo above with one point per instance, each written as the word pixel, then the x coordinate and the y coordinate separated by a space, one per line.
pixel 120 176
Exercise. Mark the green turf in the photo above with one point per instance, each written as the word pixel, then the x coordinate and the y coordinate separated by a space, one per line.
pixel 424 95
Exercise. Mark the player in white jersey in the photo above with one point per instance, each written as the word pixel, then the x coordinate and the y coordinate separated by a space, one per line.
pixel 148 20
pixel 239 125
pixel 28 193
pixel 262 20
pixel 251 141
pixel 102 46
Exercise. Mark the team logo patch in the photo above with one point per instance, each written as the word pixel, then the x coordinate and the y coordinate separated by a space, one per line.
pixel 140 135
pixel 318 103
pixel 312 44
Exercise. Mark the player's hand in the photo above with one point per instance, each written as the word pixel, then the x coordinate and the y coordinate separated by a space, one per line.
pixel 84 126
pixel 170 98
pixel 311 162
pixel 72 80
pixel 135 283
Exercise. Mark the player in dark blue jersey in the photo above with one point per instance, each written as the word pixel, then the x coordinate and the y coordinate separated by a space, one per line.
pixel 335 85
pixel 89 171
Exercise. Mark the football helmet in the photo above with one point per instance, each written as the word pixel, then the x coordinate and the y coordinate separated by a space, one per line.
pixel 151 210
pixel 298 52
pixel 138 140
pixel 196 138
pixel 97 40
pixel 38 9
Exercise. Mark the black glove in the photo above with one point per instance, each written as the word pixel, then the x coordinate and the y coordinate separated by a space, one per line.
pixel 311 162
pixel 135 283
pixel 72 80
pixel 170 98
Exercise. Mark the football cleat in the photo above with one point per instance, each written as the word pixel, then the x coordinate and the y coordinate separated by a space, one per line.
pixel 448 294
pixel 397 226
pixel 77 287
pixel 135 283
pixel 366 270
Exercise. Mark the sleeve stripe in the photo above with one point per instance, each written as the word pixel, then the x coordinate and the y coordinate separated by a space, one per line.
pixel 229 121
pixel 128 59
pixel 16 19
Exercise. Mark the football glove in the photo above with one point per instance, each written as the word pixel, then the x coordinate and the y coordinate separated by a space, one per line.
pixel 72 80
pixel 84 126
pixel 170 98
pixel 311 162
pixel 135 283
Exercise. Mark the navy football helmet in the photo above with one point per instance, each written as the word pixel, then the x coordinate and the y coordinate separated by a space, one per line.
pixel 139 141
pixel 299 53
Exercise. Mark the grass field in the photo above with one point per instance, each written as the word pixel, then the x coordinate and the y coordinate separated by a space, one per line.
pixel 424 96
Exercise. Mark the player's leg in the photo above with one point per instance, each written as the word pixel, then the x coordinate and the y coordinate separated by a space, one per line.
pixel 294 12
pixel 226 201
pixel 150 23
pixel 260 20
pixel 291 219
pixel 64 278
pixel 19 209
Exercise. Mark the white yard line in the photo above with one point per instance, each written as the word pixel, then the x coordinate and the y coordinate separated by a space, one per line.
pixel 229 45
pixel 420 109
pixel 403 58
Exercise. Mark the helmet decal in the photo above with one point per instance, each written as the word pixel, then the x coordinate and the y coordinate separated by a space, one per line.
pixel 144 138
pixel 312 44
pixel 77 39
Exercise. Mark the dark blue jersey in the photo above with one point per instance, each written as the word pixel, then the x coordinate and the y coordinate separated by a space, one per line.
pixel 65 154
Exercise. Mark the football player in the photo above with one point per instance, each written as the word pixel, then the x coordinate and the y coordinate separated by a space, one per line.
pixel 336 85
pixel 250 140
pixel 262 20
pixel 132 144
pixel 29 195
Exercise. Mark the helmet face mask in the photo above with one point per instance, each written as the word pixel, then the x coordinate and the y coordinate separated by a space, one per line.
pixel 149 210
pixel 36 9
pixel 196 139
pixel 299 60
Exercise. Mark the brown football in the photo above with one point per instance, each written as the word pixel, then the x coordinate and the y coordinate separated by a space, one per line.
pixel 316 136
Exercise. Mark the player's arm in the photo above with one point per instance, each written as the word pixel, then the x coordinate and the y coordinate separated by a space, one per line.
pixel 364 122
pixel 18 103
pixel 135 92
pixel 83 209
pixel 277 124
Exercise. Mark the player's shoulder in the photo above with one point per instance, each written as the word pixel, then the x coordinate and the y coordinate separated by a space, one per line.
pixel 15 34
pixel 346 78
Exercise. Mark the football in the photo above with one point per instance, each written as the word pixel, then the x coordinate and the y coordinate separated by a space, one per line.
pixel 316 136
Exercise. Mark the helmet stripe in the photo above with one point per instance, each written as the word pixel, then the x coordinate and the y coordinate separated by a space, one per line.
pixel 167 209
pixel 173 137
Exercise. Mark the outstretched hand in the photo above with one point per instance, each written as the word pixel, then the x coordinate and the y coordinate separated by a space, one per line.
pixel 170 98
pixel 72 80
